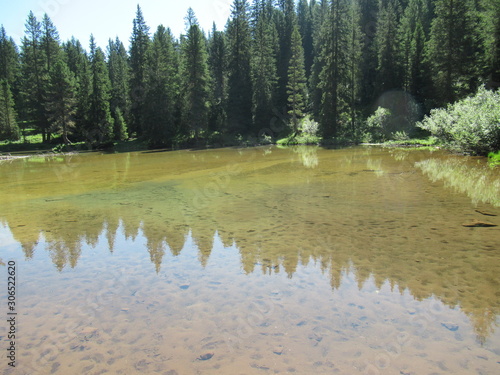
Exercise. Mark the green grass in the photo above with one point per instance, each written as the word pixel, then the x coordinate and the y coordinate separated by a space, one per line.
pixel 494 159
pixel 430 141
pixel 301 139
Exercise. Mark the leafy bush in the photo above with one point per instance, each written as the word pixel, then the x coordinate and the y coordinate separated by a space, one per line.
pixel 309 126
pixel 377 123
pixel 471 125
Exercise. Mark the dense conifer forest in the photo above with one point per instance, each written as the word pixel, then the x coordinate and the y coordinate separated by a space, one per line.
pixel 278 69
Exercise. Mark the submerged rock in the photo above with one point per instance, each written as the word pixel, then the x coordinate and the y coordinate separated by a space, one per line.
pixel 205 357
pixel 450 326
pixel 479 223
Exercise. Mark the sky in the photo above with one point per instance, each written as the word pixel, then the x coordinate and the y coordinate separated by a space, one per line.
pixel 110 18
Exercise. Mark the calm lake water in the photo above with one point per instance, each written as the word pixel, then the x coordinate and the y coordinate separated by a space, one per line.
pixel 252 261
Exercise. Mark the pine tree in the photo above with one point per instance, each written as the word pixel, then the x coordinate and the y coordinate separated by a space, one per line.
pixel 61 101
pixel 286 20
pixel 196 79
pixel 161 89
pixel 217 61
pixel 305 22
pixel 34 76
pixel 319 13
pixel 78 63
pixel 491 40
pixel 296 87
pixel 139 44
pixel 334 74
pixel 239 82
pixel 99 112
pixel 453 49
pixel 263 63
pixel 120 129
pixel 368 23
pixel 9 65
pixel 50 43
pixel 353 64
pixel 388 69
pixel 9 58
pixel 119 75
pixel 8 125
pixel 412 48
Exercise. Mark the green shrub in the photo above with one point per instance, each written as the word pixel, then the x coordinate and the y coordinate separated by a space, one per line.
pixel 377 123
pixel 470 125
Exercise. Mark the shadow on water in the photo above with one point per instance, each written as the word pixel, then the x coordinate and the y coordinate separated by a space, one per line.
pixel 387 215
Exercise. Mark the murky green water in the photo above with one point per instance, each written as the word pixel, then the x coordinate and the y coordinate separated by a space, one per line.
pixel 300 260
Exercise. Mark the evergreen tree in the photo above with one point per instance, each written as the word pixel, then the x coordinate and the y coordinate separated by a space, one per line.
pixel 9 58
pixel 79 64
pixel 217 61
pixel 119 75
pixel 319 13
pixel 491 39
pixel 9 65
pixel 161 89
pixel 239 82
pixel 61 101
pixel 334 74
pixel 305 22
pixel 8 125
pixel 33 78
pixel 196 79
pixel 99 117
pixel 263 63
pixel 368 23
pixel 50 43
pixel 388 72
pixel 120 128
pixel 139 44
pixel 286 21
pixel 453 49
pixel 353 64
pixel 296 87
pixel 412 47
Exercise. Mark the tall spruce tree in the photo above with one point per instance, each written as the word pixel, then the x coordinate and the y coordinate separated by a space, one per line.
pixel 368 24
pixel 79 64
pixel 9 58
pixel 319 15
pixel 50 43
pixel 161 89
pixel 9 65
pixel 286 19
pixel 61 100
pixel 305 22
pixel 239 109
pixel 139 44
pixel 100 118
pixel 119 76
pixel 217 61
pixel 196 79
pixel 334 74
pixel 453 49
pixel 263 64
pixel 386 44
pixel 8 124
pixel 413 36
pixel 353 65
pixel 296 86
pixel 491 39
pixel 34 77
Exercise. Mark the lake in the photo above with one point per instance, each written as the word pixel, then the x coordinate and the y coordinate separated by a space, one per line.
pixel 264 260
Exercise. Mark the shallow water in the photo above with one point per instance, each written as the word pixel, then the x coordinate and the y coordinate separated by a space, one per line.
pixel 301 260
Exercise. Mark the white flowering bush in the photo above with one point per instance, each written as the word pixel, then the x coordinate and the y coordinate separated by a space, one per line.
pixel 471 125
